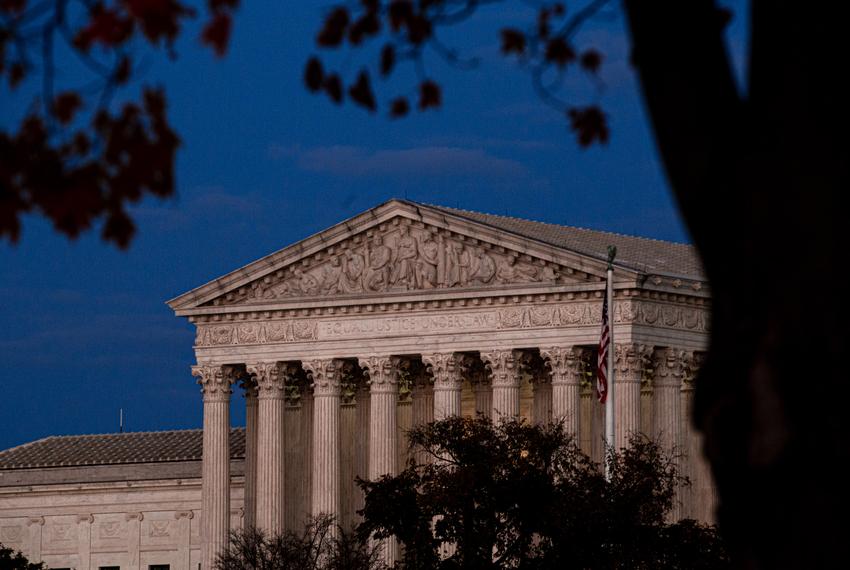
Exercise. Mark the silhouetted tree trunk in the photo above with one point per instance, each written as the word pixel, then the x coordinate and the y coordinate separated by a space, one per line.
pixel 758 176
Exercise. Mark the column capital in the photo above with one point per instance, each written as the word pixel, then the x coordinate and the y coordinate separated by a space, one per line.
pixel 35 521
pixel 566 363
pixel 670 365
pixel 445 368
pixel 324 375
pixel 502 365
pixel 184 515
pixel 134 517
pixel 85 518
pixel 381 372
pixel 215 381
pixel 269 378
pixel 631 361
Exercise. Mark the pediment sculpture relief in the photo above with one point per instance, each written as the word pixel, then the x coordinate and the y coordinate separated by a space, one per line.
pixel 402 258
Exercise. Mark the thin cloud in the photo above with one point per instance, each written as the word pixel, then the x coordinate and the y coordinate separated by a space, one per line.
pixel 428 161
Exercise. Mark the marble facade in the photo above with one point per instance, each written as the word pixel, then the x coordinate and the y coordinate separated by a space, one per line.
pixel 408 313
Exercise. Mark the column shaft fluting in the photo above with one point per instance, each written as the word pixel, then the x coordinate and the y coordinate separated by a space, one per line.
pixel 669 367
pixel 630 362
pixel 250 454
pixel 567 364
pixel 383 430
pixel 445 368
pixel 215 466
pixel 505 378
pixel 326 490
pixel 270 446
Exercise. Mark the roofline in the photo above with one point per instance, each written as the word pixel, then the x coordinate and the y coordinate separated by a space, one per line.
pixel 339 231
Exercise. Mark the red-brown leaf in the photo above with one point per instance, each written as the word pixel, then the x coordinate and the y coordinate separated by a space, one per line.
pixel 387 59
pixel 399 108
pixel 559 52
pixel 365 26
pixel 589 124
pixel 333 31
pixel 217 32
pixel 513 41
pixel 16 74
pixel 361 92
pixel 333 87
pixel 429 95
pixel 314 74
pixel 65 106
pixel 12 6
pixel 418 28
pixel 591 60
pixel 399 12
pixel 106 26
pixel 123 71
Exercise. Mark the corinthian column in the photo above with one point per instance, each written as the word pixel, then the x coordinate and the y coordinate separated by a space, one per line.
pixel 215 384
pixel 505 377
pixel 270 445
pixel 326 491
pixel 566 367
pixel 383 429
pixel 669 366
pixel 250 392
pixel 630 361
pixel 446 370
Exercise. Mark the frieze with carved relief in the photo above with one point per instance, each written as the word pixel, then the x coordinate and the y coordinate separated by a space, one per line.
pixel 401 258
pixel 522 316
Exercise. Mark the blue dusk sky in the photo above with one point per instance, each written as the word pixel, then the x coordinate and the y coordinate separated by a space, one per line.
pixel 84 329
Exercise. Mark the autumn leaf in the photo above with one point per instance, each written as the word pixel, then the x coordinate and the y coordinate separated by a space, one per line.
pixel 429 95
pixel 314 74
pixel 589 124
pixel 399 108
pixel 559 52
pixel 333 32
pixel 591 60
pixel 387 59
pixel 333 87
pixel 66 105
pixel 217 32
pixel 361 92
pixel 513 41
pixel 366 25
pixel 399 12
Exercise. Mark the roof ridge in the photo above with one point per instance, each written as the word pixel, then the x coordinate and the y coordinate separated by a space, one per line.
pixel 27 444
pixel 464 210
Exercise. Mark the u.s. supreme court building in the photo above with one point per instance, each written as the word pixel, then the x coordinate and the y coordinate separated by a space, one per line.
pixel 403 314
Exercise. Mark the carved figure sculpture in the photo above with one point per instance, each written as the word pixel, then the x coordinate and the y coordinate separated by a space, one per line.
pixel 426 266
pixel 483 268
pixel 378 278
pixel 511 272
pixel 332 276
pixel 352 272
pixel 404 269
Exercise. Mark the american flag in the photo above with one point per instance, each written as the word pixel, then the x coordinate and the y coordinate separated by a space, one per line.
pixel 602 363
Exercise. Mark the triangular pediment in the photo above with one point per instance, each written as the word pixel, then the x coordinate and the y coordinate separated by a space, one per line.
pixel 396 249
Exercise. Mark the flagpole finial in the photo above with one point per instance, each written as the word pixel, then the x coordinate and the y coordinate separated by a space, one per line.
pixel 612 253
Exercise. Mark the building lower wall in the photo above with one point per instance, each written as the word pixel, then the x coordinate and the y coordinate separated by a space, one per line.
pixel 132 525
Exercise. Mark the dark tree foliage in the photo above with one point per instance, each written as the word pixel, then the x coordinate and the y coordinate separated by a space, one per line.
pixel 323 545
pixel 77 158
pixel 514 495
pixel 13 560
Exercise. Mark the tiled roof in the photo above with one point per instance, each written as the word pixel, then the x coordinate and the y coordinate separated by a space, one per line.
pixel 637 253
pixel 115 449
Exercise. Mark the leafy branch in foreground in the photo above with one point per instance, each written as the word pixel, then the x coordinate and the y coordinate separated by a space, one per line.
pixel 515 495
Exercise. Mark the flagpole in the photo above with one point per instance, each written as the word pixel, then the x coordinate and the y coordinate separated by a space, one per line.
pixel 610 441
